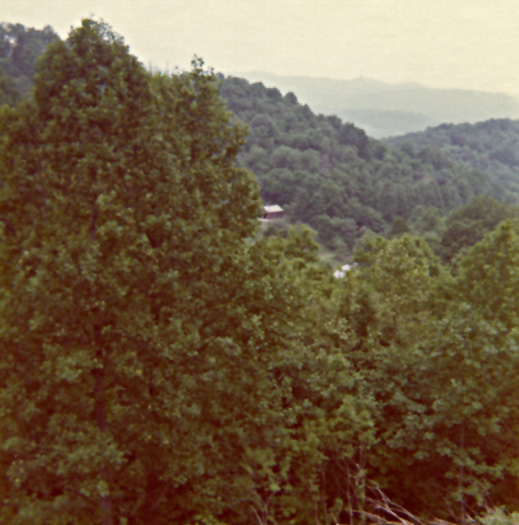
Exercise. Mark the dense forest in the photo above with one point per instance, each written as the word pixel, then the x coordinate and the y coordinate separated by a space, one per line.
pixel 333 177
pixel 491 146
pixel 162 362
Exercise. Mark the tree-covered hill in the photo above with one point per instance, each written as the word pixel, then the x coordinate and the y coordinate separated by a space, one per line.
pixel 324 172
pixel 332 176
pixel 491 146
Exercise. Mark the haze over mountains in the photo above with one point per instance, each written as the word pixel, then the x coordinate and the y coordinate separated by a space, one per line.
pixel 384 110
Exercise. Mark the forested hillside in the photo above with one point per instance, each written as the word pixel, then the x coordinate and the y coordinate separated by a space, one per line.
pixel 163 363
pixel 332 176
pixel 491 146
pixel 324 172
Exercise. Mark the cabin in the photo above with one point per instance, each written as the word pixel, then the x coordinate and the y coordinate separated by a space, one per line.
pixel 272 212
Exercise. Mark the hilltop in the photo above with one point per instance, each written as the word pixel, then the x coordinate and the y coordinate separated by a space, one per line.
pixel 384 109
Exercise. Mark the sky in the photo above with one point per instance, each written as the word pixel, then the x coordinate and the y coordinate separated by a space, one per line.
pixel 465 44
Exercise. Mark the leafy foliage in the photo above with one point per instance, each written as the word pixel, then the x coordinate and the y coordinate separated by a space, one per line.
pixel 142 339
pixel 330 175
pixel 489 146
pixel 163 361
pixel 439 354
pixel 467 225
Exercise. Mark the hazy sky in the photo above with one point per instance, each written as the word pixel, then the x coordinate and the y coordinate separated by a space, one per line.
pixel 470 44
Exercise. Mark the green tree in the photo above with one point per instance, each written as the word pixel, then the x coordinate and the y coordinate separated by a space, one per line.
pixel 394 301
pixel 472 423
pixel 439 355
pixel 144 340
pixel 467 225
pixel 399 227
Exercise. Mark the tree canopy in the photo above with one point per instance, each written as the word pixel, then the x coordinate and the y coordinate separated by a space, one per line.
pixel 330 175
pixel 140 334
pixel 488 146
pixel 164 363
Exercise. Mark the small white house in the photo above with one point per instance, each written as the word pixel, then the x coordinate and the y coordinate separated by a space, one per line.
pixel 272 212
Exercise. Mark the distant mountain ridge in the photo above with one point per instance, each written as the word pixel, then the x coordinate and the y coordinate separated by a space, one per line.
pixel 385 110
